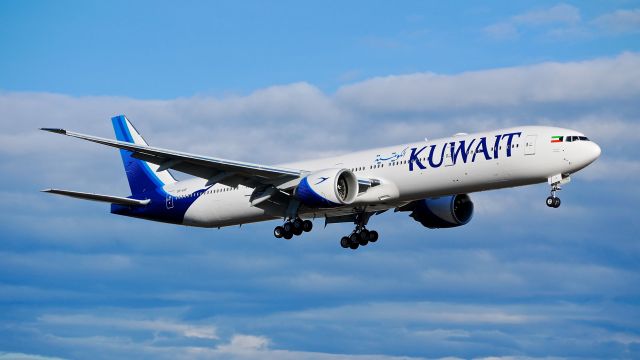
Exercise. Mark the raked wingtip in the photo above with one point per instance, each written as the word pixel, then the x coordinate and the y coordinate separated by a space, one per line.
pixel 54 130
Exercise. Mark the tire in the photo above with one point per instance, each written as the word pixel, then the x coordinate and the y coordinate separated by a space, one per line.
pixel 307 225
pixel 353 239
pixel 353 246
pixel 344 242
pixel 296 231
pixel 287 235
pixel 297 224
pixel 278 231
pixel 362 239
pixel 288 226
pixel 550 201
pixel 556 202
pixel 365 234
pixel 373 236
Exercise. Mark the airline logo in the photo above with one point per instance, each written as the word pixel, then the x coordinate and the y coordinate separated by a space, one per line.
pixel 391 158
pixel 462 151
pixel 556 139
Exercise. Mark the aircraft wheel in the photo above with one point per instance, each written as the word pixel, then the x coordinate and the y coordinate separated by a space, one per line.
pixel 307 225
pixel 353 246
pixel 296 231
pixel 287 235
pixel 373 236
pixel 550 201
pixel 278 231
pixel 345 242
pixel 353 238
pixel 297 224
pixel 556 202
pixel 288 226
pixel 362 239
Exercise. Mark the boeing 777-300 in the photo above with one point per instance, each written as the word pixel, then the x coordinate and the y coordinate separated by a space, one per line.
pixel 430 179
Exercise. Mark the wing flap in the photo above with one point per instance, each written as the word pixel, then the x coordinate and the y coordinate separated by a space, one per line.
pixel 99 197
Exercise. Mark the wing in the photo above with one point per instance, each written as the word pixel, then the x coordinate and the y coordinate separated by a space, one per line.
pixel 215 170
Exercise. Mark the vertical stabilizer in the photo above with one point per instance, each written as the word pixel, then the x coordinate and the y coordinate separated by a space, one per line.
pixel 143 176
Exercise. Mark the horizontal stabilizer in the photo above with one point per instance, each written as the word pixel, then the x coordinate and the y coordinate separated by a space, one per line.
pixel 97 197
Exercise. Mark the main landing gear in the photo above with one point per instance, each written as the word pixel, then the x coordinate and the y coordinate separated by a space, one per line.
pixel 292 227
pixel 359 237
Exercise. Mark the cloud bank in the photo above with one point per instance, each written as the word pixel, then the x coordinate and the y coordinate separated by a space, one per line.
pixel 518 281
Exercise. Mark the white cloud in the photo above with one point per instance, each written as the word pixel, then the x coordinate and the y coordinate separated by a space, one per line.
pixel 564 21
pixel 613 169
pixel 502 31
pixel 22 356
pixel 125 344
pixel 560 13
pixel 547 83
pixel 155 325
pixel 619 21
pixel 428 312
pixel 244 344
pixel 564 15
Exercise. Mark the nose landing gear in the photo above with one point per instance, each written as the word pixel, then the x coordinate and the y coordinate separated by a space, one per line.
pixel 553 201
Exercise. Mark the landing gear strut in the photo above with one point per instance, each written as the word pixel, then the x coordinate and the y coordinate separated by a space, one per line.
pixel 292 227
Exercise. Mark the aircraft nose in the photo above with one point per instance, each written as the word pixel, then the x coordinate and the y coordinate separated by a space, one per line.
pixel 594 152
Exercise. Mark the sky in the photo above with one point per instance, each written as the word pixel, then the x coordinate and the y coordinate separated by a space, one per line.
pixel 284 81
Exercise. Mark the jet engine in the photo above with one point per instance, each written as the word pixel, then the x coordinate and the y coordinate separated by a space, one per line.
pixel 441 212
pixel 327 188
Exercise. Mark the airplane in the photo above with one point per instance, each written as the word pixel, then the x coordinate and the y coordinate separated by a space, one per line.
pixel 431 179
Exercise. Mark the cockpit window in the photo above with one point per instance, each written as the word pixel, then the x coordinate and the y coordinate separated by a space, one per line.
pixel 575 138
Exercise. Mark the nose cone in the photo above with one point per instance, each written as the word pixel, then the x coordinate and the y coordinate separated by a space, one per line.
pixel 594 152
pixel 584 154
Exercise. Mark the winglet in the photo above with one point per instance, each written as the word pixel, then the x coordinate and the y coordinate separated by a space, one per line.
pixel 54 130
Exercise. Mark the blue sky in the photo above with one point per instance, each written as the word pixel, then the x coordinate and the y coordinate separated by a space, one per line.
pixel 277 82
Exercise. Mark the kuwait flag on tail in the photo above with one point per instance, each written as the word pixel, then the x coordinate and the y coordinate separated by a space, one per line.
pixel 556 139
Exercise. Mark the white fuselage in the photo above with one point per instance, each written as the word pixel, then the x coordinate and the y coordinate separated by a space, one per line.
pixel 482 161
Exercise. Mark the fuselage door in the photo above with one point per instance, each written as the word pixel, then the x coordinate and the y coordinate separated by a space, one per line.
pixel 448 159
pixel 530 145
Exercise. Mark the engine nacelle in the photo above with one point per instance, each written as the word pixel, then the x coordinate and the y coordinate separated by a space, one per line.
pixel 443 212
pixel 328 188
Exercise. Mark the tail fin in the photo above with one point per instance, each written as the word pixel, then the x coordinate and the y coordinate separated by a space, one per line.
pixel 143 176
